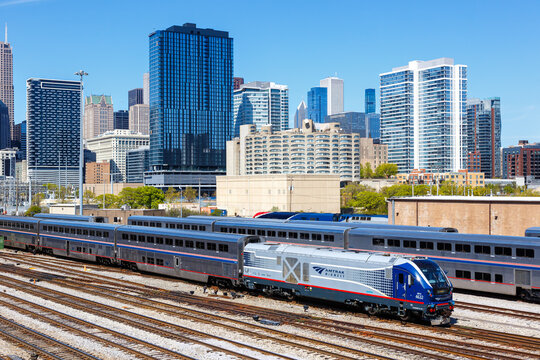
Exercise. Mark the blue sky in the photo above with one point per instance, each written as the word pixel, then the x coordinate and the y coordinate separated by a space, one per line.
pixel 290 42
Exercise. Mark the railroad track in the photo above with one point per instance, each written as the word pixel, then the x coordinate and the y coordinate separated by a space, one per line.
pixel 498 311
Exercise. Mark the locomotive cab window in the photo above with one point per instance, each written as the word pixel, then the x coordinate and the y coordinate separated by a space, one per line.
pixel 400 276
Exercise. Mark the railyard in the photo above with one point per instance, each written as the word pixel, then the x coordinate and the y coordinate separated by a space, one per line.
pixel 90 311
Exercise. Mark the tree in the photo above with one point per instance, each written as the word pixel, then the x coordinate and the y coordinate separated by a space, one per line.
pixel 88 196
pixel 371 203
pixel 150 197
pixel 172 195
pixel 129 196
pixel 386 170
pixel 111 201
pixel 32 210
pixel 190 194
pixel 36 199
pixel 367 171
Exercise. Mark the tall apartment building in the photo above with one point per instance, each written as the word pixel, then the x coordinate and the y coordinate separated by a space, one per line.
pixel 6 81
pixel 334 86
pixel 237 82
pixel 356 122
pixel 307 150
pixel 7 162
pixel 423 114
pixel 146 89
pixel 300 115
pixel 5 129
pixel 113 147
pixel 370 102
pixel 191 82
pixel 261 103
pixel 139 119
pixel 121 120
pixel 135 96
pixel 137 162
pixel 98 173
pixel 521 160
pixel 98 115
pixel 483 134
pixel 317 104
pixel 53 128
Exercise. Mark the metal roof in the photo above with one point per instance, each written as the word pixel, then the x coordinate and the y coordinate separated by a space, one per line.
pixel 196 235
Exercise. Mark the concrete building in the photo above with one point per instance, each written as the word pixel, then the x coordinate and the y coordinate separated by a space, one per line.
pixel 114 188
pixel 113 146
pixel 261 103
pixel 135 96
pixel 53 116
pixel 307 150
pixel 7 162
pixel 121 120
pixel 98 173
pixel 98 115
pixel 146 88
pixel 334 88
pixel 21 171
pixel 492 215
pixel 522 160
pixel 300 115
pixel 137 162
pixel 459 178
pixel 237 82
pixel 139 119
pixel 247 195
pixel 423 115
pixel 6 81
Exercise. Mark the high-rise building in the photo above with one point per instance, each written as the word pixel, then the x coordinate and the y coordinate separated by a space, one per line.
pixel 135 96
pixel 137 162
pixel 317 104
pixel 237 81
pixel 19 141
pixel 53 124
pixel 300 115
pixel 483 134
pixel 121 120
pixel 190 98
pixel 5 130
pixel 423 113
pixel 373 121
pixel 334 94
pixel 139 117
pixel 7 162
pixel 146 88
pixel 355 122
pixel 521 160
pixel 6 81
pixel 370 103
pixel 98 115
pixel 261 103
pixel 97 173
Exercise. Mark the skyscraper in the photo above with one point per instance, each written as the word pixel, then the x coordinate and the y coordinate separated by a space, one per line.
pixel 317 104
pixel 484 136
pixel 19 138
pixel 146 89
pixel 121 120
pixel 135 96
pixel 335 94
pixel 370 101
pixel 98 115
pixel 139 116
pixel 5 140
pixel 53 121
pixel 190 98
pixel 261 103
pixel 6 81
pixel 301 114
pixel 423 115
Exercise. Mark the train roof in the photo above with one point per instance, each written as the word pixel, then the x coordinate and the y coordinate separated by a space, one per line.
pixel 80 224
pixel 319 226
pixel 277 215
pixel 65 217
pixel 533 232
pixel 200 221
pixel 195 235
pixel 375 225
pixel 19 218
pixel 445 236
pixel 234 218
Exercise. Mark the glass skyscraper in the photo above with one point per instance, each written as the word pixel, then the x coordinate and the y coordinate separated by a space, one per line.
pixel 423 115
pixel 135 96
pixel 370 101
pixel 317 107
pixel 121 119
pixel 191 98
pixel 5 130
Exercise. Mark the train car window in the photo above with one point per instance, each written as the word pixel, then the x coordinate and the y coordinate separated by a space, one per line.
pixel 261 232
pixel 106 234
pixel 525 252
pixel 150 239
pixel 159 240
pixel 211 246
pixel 482 249
pixel 223 229
pixel 167 225
pixel 498 278
pixel 223 248
pixel 463 248
pixel 27 226
pixel 232 230
pixel 92 233
pixel 124 236
pixel 444 246
pixel 189 244
pixel 394 242
pixel 144 259
pixel 158 225
pixel 146 223
pixel 200 245
pixel 317 237
pixel 426 245
pixel 85 232
pixel 482 276
pixel 506 251
pixel 463 274
pixel 409 244
pixel 251 231
pixel 400 278
pixel 152 224
pixel 132 237
pixel 168 241
pixel 79 232
pixel 329 238
pixel 159 262
pixel 304 236
pixel 178 242
pixel 151 261
pixel 202 228
pixel 73 231
pixel 241 231
pixel 172 226
pixel 282 234
pixel 377 242
pixel 78 249
pixel 89 250
pixel 141 238
pixel 99 234
pixel 293 235
pixel 55 228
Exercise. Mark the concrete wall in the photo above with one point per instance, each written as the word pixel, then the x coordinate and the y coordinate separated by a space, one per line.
pixel 247 195
pixel 478 215
pixel 98 189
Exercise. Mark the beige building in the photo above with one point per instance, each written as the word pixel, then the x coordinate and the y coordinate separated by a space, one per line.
pixel 312 149
pixel 460 178
pixel 98 173
pixel 139 119
pixel 119 216
pixel 99 189
pixel 98 115
pixel 249 194
pixel 492 215
pixel 113 146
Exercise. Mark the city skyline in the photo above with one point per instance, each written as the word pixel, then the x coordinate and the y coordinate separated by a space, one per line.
pixel 115 75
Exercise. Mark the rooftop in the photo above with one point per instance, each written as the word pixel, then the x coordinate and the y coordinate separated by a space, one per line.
pixel 189 28
pixel 520 199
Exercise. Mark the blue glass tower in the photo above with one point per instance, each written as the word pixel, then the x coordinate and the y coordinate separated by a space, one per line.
pixel 370 101
pixel 5 132
pixel 317 104
pixel 191 100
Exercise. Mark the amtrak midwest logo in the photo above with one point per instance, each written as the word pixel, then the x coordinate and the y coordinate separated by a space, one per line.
pixel 329 272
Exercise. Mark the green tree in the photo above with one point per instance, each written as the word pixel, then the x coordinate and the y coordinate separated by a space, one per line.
pixel 111 201
pixel 88 196
pixel 367 171
pixel 130 196
pixel 370 203
pixel 37 198
pixel 172 195
pixel 150 197
pixel 386 170
pixel 32 210
pixel 350 190
pixel 190 194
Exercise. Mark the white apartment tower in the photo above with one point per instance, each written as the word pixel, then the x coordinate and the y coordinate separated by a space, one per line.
pixel 423 115
pixel 6 79
pixel 334 88
pixel 139 119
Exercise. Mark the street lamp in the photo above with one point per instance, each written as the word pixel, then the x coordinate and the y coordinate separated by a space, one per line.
pixel 81 73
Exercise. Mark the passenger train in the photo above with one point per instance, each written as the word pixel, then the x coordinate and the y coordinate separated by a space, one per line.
pixel 532 232
pixel 507 265
pixel 399 285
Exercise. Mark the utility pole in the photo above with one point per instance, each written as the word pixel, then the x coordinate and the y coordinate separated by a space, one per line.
pixel 81 73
